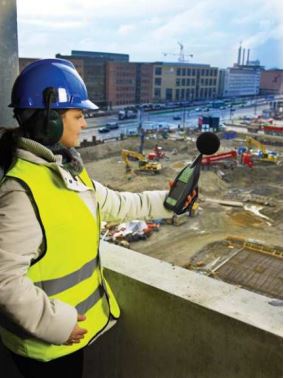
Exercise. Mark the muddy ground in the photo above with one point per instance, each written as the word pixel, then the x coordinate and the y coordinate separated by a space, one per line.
pixel 259 188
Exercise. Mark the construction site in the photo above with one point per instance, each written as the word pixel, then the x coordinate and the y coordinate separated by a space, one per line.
pixel 234 231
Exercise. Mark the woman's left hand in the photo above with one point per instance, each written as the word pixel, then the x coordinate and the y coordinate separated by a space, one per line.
pixel 190 198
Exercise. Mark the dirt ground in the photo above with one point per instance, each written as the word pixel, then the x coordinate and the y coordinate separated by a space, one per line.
pixel 259 188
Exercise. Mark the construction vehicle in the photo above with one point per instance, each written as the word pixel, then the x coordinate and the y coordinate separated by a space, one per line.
pixel 157 153
pixel 264 155
pixel 144 165
pixel 126 114
pixel 246 158
pixel 212 159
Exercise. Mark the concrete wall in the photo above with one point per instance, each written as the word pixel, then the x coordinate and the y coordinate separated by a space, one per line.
pixel 178 324
pixel 9 64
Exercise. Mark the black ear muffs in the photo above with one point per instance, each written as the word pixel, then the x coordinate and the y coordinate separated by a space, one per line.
pixel 54 128
pixel 53 125
pixel 45 127
pixel 42 125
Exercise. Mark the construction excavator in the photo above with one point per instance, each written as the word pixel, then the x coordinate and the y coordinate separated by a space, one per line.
pixel 144 165
pixel 157 153
pixel 264 155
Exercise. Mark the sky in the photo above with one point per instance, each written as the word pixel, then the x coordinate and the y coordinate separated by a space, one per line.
pixel 151 30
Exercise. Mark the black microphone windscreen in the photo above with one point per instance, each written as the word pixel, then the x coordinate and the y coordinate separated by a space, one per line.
pixel 207 143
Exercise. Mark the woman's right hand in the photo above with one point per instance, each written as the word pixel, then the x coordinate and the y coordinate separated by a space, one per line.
pixel 78 333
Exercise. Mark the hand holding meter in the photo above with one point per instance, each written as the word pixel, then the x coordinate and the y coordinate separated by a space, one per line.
pixel 187 180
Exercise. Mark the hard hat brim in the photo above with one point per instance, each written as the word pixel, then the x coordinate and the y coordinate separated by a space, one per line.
pixel 84 105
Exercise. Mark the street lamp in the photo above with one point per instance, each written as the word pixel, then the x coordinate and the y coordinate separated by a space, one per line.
pixel 255 104
pixel 183 117
pixel 142 138
pixel 231 112
pixel 140 118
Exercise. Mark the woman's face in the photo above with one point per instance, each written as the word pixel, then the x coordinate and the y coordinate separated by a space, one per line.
pixel 73 122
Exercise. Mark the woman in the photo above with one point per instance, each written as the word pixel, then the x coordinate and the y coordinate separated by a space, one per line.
pixel 54 299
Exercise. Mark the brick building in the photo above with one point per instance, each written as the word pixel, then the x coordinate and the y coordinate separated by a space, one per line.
pixel 129 83
pixel 271 82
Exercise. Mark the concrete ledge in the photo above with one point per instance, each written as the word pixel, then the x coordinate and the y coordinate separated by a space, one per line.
pixel 228 300
pixel 178 324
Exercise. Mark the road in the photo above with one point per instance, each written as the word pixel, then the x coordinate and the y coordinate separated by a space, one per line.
pixel 189 118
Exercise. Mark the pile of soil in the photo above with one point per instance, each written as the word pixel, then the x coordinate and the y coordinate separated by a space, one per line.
pixel 211 184
pixel 261 179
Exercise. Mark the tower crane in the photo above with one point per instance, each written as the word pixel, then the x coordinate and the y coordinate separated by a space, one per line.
pixel 181 55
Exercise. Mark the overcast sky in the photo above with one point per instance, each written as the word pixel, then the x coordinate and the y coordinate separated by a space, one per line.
pixel 211 30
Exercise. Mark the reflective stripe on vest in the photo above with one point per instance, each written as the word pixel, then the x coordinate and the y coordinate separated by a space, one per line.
pixel 69 271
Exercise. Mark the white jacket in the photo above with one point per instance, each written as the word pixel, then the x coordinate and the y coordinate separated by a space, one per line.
pixel 21 240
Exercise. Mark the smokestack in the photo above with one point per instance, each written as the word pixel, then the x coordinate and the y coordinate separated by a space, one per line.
pixel 248 56
pixel 239 54
pixel 244 52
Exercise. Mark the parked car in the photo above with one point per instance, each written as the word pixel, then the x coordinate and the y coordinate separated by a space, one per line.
pixel 197 109
pixel 171 105
pixel 126 114
pixel 146 107
pixel 104 130
pixel 158 106
pixel 176 118
pixel 90 114
pixel 112 125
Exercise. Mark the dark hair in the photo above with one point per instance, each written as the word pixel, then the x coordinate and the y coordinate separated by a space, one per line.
pixel 9 138
pixel 8 146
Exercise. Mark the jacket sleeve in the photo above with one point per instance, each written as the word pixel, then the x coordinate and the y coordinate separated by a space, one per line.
pixel 21 302
pixel 124 206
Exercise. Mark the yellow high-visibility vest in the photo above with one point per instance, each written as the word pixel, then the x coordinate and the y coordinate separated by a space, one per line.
pixel 69 270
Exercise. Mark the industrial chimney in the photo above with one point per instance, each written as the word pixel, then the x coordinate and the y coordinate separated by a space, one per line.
pixel 244 52
pixel 248 57
pixel 239 55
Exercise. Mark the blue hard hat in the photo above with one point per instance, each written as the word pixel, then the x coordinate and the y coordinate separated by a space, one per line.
pixel 58 74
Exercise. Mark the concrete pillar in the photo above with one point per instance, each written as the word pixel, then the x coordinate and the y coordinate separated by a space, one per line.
pixel 9 61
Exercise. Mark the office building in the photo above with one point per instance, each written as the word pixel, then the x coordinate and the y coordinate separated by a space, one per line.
pixel 184 81
pixel 243 79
